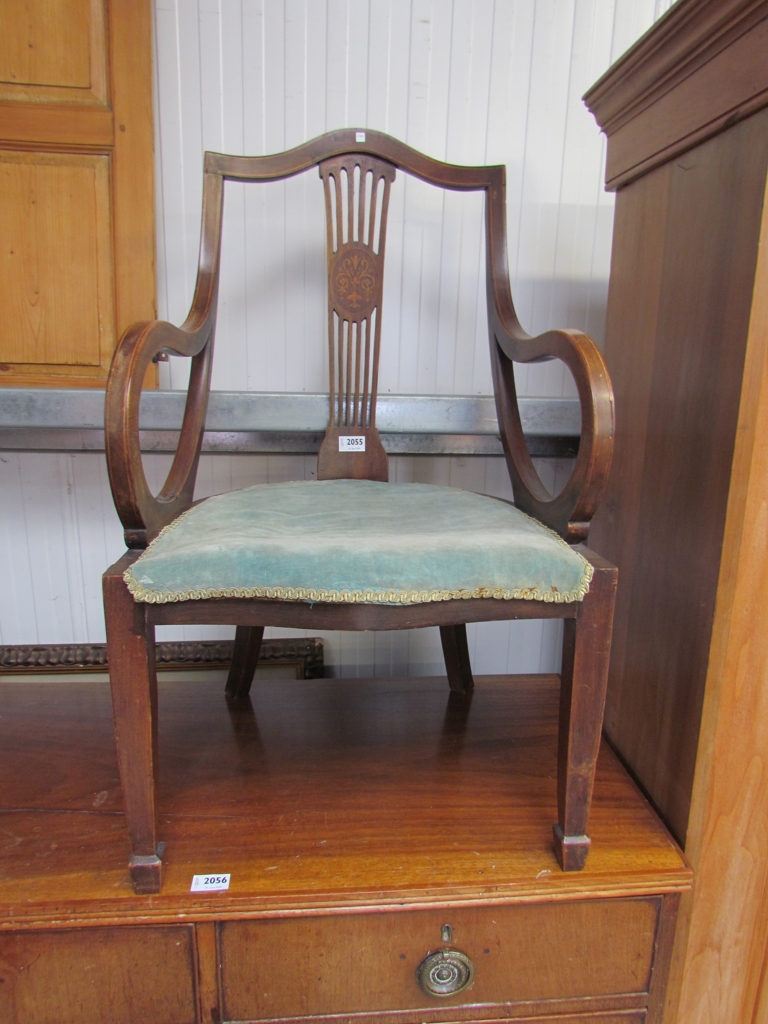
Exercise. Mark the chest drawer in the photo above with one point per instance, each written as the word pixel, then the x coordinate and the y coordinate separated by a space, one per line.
pixel 368 962
pixel 94 975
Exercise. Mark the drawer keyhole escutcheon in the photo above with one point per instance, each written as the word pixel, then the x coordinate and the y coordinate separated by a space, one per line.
pixel 444 973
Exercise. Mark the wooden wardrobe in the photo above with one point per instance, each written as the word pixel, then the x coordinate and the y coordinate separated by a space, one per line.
pixel 686 514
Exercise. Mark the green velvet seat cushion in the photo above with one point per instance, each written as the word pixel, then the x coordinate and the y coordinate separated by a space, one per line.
pixel 357 541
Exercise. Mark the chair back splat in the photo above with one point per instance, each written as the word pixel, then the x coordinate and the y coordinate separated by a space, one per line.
pixel 356 204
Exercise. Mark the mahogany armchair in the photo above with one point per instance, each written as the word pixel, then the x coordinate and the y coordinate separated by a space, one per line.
pixel 350 551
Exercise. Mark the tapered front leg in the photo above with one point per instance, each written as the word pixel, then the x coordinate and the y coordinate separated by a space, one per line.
pixel 584 677
pixel 245 657
pixel 456 654
pixel 133 679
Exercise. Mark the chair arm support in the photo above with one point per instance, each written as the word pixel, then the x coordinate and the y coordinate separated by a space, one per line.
pixel 569 513
pixel 142 514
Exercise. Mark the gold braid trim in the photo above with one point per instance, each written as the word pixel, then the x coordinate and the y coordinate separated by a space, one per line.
pixel 358 596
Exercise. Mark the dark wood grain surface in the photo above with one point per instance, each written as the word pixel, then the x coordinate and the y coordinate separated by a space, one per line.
pixel 677 334
pixel 326 793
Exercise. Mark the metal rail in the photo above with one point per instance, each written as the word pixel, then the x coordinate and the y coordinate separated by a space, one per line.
pixel 70 420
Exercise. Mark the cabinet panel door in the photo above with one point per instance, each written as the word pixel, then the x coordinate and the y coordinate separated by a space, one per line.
pixel 56 303
pixel 76 186
pixel 53 49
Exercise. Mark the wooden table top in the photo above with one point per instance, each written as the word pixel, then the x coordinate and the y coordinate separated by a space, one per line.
pixel 323 794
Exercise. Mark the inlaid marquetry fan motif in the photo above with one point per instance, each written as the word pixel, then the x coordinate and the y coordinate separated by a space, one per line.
pixel 356 202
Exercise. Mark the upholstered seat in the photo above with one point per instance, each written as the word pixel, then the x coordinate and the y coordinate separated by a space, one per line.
pixel 357 542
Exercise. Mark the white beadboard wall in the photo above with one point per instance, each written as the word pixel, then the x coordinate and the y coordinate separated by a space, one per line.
pixel 469 81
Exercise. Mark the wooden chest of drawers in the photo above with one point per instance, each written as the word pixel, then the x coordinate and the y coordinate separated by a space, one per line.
pixel 520 954
pixel 366 825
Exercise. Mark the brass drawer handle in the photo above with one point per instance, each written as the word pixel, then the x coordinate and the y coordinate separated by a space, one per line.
pixel 444 973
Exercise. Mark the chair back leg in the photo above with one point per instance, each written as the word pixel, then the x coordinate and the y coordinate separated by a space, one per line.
pixel 133 680
pixel 584 678
pixel 456 654
pixel 245 657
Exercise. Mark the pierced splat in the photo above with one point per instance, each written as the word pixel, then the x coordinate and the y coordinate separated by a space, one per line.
pixel 356 203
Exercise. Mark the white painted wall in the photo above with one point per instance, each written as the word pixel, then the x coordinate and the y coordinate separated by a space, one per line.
pixel 470 81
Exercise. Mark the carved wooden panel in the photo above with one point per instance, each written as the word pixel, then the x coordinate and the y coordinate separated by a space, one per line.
pixel 356 203
pixel 56 303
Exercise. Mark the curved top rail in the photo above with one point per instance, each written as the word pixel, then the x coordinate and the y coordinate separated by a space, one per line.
pixel 276 166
